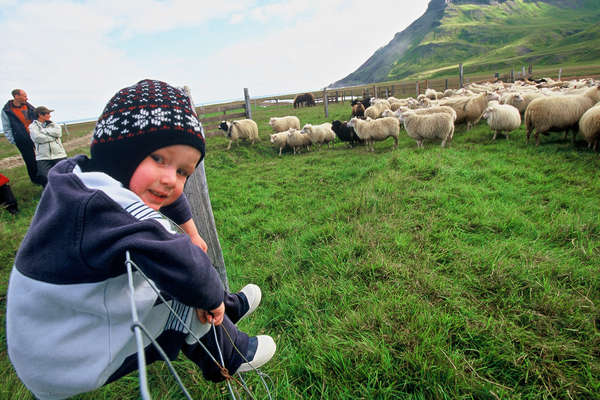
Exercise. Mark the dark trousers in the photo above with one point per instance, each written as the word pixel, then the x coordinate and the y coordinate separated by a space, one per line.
pixel 43 167
pixel 231 344
pixel 7 199
pixel 26 147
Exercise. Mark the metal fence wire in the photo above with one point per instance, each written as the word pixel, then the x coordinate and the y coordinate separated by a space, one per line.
pixel 140 331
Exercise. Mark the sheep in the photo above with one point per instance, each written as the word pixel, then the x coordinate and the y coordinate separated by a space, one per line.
pixel 240 129
pixel 469 108
pixel 296 140
pixel 589 126
pixel 345 133
pixel 329 137
pixel 422 111
pixel 358 110
pixel 502 118
pixel 388 113
pixel 304 99
pixel 449 92
pixel 380 101
pixel 433 94
pixel 282 124
pixel 280 139
pixel 457 103
pixel 375 110
pixel 428 126
pixel 366 102
pixel 520 100
pixel 558 113
pixel 425 101
pixel 475 106
pixel 376 130
pixel 319 134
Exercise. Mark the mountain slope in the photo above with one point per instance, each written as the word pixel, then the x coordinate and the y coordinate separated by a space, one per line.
pixel 486 35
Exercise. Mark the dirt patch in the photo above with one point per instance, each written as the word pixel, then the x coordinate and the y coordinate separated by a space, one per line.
pixel 17 161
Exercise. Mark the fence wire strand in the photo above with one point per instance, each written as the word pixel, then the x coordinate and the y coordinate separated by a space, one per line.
pixel 138 328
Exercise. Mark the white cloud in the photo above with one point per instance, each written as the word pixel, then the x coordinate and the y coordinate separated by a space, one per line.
pixel 66 55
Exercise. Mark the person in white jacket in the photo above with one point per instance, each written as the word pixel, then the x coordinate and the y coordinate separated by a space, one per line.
pixel 48 145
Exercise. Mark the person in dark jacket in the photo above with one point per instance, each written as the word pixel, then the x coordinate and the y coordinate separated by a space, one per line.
pixel 16 116
pixel 68 319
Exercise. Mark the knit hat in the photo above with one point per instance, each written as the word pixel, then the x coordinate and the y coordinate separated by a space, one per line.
pixel 138 120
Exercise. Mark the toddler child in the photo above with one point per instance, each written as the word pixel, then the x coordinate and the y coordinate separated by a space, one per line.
pixel 68 309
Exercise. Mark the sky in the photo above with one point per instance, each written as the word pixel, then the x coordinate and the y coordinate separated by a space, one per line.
pixel 73 55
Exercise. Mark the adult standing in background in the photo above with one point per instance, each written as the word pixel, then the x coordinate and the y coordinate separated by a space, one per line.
pixel 16 116
pixel 48 146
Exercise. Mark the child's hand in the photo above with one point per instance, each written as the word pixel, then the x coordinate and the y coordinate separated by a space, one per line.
pixel 198 241
pixel 215 316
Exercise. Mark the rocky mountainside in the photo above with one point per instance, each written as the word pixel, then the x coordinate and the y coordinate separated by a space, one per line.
pixel 486 35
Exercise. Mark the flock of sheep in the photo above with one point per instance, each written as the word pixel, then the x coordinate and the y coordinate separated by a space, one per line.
pixel 545 104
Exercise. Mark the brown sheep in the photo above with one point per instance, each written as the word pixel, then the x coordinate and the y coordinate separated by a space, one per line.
pixel 358 110
pixel 304 100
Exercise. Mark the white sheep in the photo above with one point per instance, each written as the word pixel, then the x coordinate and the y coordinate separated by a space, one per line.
pixel 469 108
pixel 558 113
pixel 521 100
pixel 280 139
pixel 376 130
pixel 240 129
pixel 329 138
pixel 475 106
pixel 374 110
pixel 433 94
pixel 382 101
pixel 502 118
pixel 296 140
pixel 282 124
pixel 421 111
pixel 589 126
pixel 428 126
pixel 318 134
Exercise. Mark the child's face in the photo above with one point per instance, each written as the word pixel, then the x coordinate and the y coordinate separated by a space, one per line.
pixel 160 177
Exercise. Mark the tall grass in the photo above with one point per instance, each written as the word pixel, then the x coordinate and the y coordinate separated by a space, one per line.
pixel 469 272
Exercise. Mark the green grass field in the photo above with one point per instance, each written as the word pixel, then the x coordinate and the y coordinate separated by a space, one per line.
pixel 470 272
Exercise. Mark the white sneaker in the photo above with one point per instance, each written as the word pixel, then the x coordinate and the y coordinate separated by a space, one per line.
pixel 265 350
pixel 253 295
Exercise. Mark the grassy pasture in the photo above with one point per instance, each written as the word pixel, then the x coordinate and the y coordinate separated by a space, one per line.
pixel 463 273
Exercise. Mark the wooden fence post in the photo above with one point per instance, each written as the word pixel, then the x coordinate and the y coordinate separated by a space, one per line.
pixel 375 91
pixel 66 129
pixel 417 95
pixel 325 103
pixel 530 69
pixel 247 102
pixel 446 85
pixel 461 75
pixel 196 191
pixel 512 75
pixel 559 73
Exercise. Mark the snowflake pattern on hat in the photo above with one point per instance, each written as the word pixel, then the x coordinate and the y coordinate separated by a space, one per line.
pixel 144 106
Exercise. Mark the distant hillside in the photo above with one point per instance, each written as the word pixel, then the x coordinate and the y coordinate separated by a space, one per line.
pixel 486 35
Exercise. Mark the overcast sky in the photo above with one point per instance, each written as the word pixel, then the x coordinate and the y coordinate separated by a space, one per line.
pixel 73 55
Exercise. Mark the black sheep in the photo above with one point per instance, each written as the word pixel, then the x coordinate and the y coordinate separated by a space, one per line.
pixel 365 102
pixel 344 132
